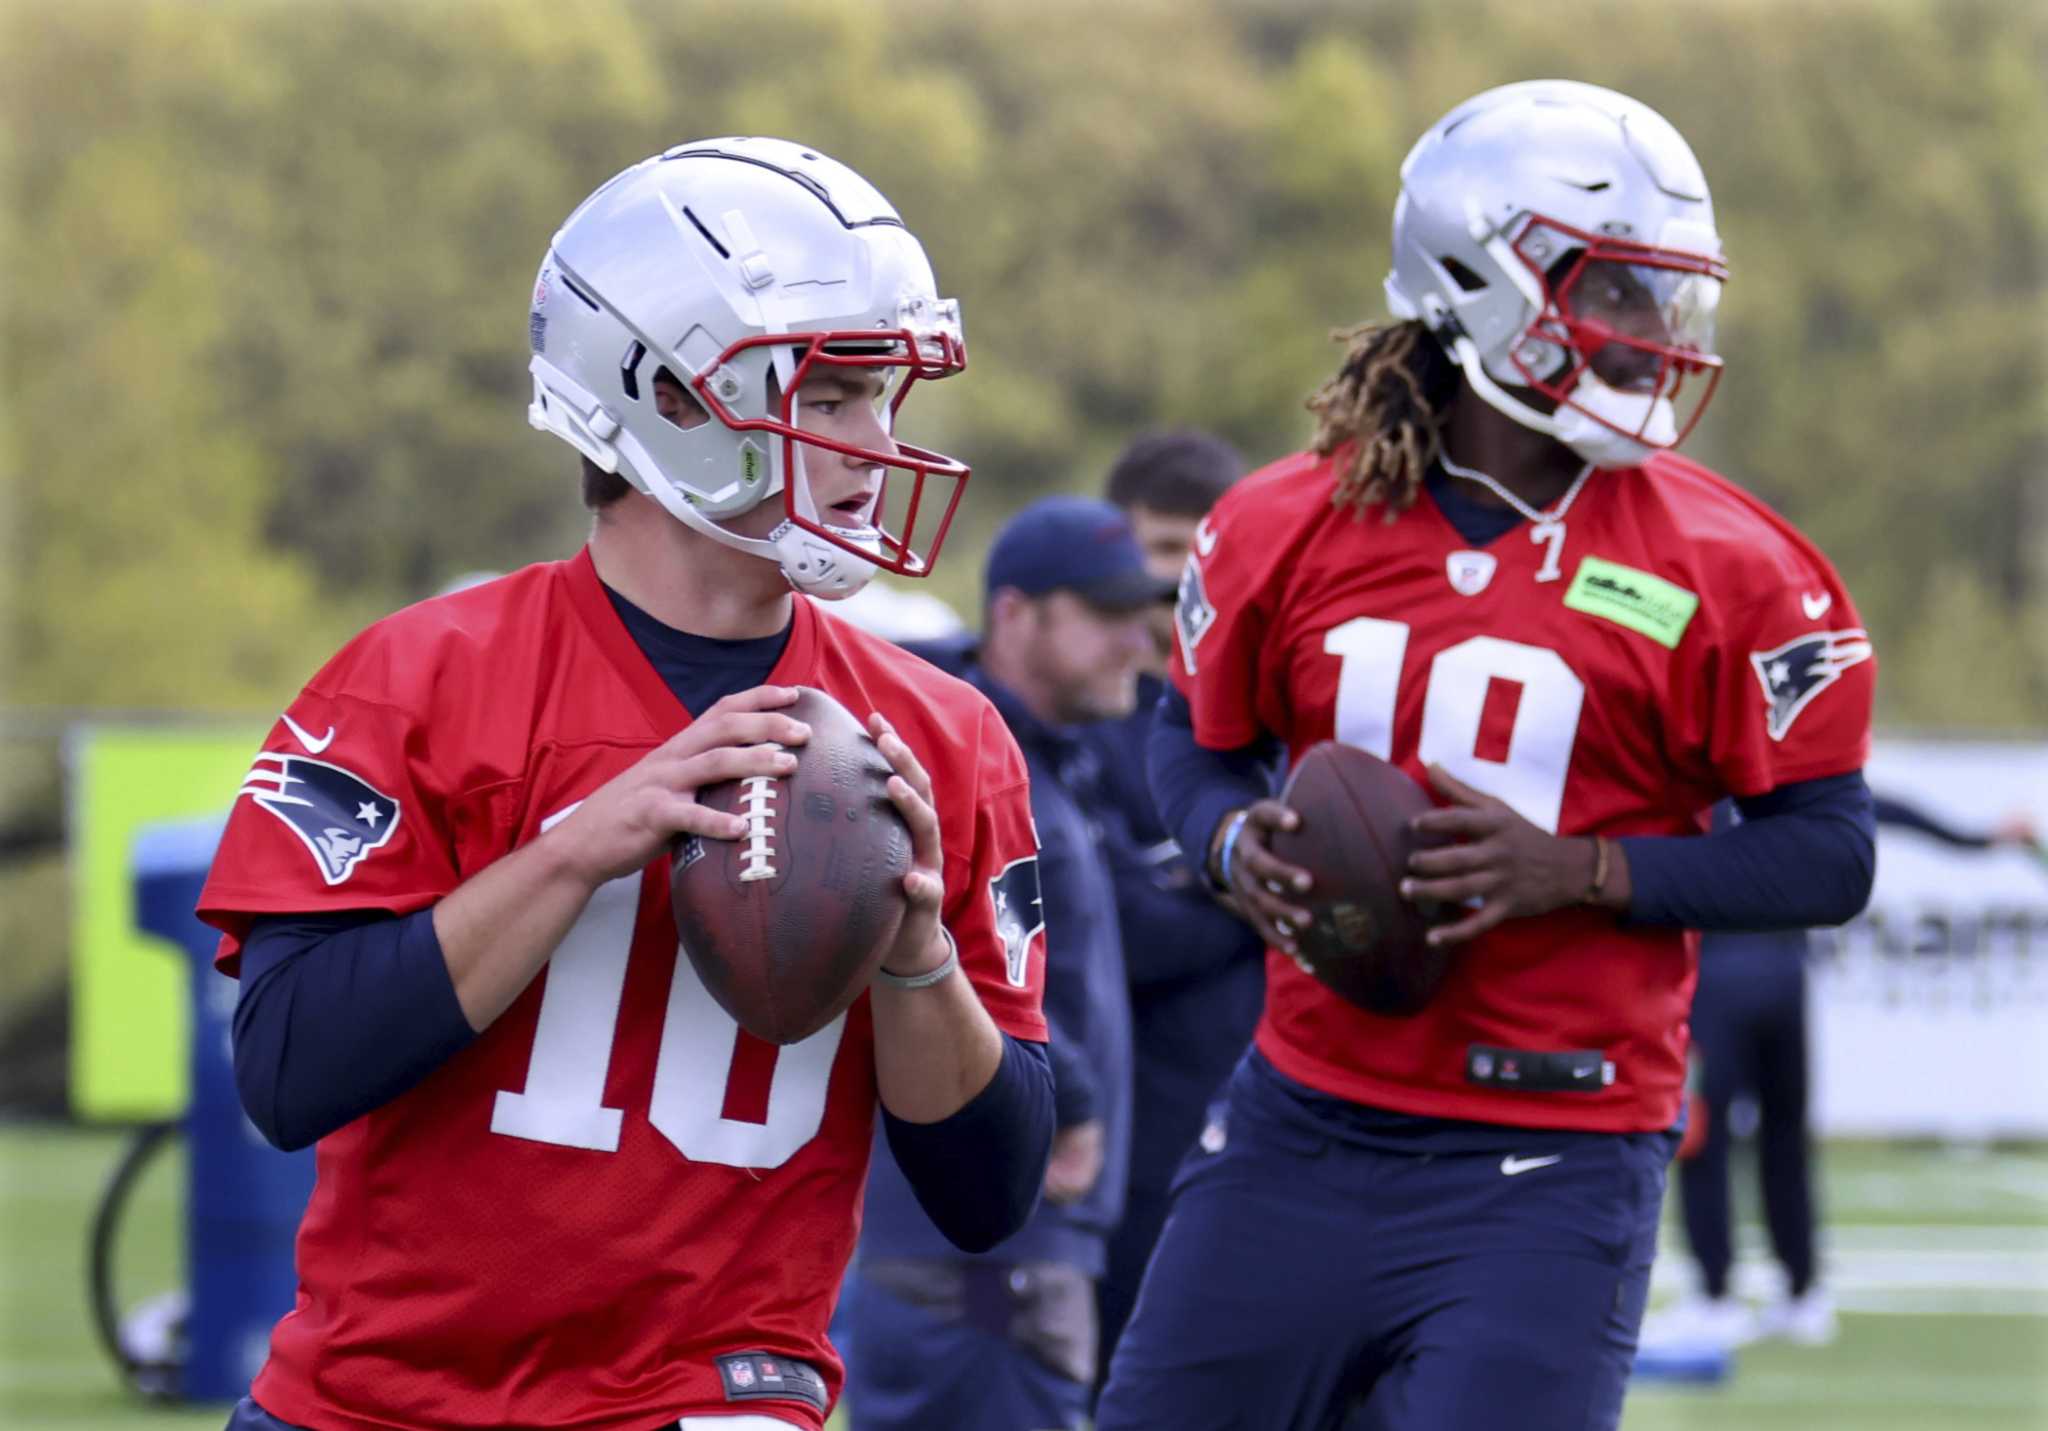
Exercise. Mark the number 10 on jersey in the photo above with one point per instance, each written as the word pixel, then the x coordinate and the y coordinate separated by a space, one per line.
pixel 563 1101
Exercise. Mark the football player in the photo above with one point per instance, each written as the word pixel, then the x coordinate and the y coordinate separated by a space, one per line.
pixel 558 1186
pixel 1493 570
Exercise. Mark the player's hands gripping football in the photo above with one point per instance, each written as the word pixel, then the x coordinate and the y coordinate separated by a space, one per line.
pixel 918 948
pixel 622 826
pixel 1505 864
pixel 1258 882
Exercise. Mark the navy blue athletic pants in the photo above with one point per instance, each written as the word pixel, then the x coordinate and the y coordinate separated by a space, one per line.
pixel 1307 1281
pixel 969 1346
pixel 1749 1031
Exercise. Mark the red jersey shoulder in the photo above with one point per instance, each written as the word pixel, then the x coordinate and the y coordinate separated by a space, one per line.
pixel 1786 665
pixel 1257 511
pixel 1737 547
pixel 487 632
pixel 348 802
pixel 950 724
pixel 1241 548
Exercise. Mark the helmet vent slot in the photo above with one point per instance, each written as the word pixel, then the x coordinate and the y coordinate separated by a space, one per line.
pixel 709 237
pixel 1464 277
pixel 576 288
pixel 629 369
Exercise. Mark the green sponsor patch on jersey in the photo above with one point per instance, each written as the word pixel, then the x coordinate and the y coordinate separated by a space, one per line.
pixel 1631 598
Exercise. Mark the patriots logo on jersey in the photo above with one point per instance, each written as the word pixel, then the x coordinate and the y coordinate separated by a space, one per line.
pixel 1192 613
pixel 1794 673
pixel 339 816
pixel 1020 913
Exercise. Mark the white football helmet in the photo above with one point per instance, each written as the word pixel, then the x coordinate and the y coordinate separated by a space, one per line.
pixel 1559 237
pixel 740 266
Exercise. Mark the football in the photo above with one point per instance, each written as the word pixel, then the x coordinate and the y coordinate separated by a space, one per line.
pixel 1364 940
pixel 787 925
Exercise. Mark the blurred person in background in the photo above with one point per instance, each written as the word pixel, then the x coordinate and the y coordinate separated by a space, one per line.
pixel 1749 1031
pixel 896 614
pixel 1196 971
pixel 1492 570
pixel 1007 1341
pixel 542 1198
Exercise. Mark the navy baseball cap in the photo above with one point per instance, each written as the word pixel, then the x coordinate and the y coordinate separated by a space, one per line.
pixel 1077 544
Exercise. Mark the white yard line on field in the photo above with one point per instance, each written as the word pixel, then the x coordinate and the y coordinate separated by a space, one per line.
pixel 1902 1270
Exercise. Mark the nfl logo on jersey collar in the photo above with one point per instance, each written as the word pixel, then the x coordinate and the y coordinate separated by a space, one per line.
pixel 1470 571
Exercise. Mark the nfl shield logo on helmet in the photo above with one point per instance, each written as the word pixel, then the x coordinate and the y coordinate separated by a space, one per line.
pixel 1020 914
pixel 338 816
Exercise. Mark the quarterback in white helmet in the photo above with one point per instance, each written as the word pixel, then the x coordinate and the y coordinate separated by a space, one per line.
pixel 1491 572
pixel 559 1184
pixel 1559 238
pixel 733 325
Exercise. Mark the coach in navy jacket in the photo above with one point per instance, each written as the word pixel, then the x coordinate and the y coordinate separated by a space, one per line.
pixel 1197 972
pixel 1197 981
pixel 1009 1339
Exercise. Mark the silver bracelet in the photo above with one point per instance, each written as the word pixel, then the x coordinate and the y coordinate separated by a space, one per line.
pixel 1230 834
pixel 930 976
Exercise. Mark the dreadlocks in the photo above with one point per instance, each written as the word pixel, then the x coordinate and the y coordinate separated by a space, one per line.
pixel 1387 401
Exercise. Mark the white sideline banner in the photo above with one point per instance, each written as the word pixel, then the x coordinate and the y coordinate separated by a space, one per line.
pixel 1929 1012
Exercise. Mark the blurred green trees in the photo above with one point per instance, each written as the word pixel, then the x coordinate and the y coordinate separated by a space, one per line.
pixel 266 268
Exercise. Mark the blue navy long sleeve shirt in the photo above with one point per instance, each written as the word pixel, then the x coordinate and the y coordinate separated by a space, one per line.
pixel 1086 1003
pixel 1196 971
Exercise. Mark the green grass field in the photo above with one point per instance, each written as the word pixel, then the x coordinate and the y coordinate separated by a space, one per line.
pixel 1939 1259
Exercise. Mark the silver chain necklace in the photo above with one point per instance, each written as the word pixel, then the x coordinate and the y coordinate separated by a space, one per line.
pixel 1553 517
pixel 1546 528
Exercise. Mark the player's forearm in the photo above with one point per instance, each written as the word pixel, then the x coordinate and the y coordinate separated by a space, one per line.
pixel 338 1015
pixel 1194 787
pixel 977 1174
pixel 935 1047
pixel 499 927
pixel 1804 855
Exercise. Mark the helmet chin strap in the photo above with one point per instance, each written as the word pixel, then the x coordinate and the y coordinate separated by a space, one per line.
pixel 817 568
pixel 813 565
pixel 1582 425
pixel 1581 422
pixel 809 563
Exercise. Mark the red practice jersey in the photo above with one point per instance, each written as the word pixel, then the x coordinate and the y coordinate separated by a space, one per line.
pixel 571 1220
pixel 1676 642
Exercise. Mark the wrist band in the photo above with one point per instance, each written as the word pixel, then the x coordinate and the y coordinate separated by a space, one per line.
pixel 1599 880
pixel 930 976
pixel 1230 834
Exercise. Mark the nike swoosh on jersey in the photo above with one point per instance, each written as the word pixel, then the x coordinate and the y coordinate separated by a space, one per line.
pixel 1815 607
pixel 1205 539
pixel 1511 1165
pixel 313 747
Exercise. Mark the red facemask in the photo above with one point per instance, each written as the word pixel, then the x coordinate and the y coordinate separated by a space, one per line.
pixel 908 526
